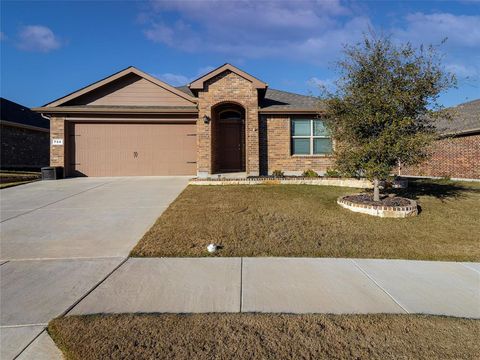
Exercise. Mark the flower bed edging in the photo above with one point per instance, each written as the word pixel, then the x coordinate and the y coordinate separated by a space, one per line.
pixel 379 210
pixel 342 182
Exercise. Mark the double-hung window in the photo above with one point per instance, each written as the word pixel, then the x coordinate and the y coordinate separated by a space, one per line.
pixel 310 137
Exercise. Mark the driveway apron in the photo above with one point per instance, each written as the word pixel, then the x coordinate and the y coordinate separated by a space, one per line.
pixel 60 240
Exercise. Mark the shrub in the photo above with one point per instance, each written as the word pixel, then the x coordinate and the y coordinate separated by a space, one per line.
pixel 332 173
pixel 309 173
pixel 278 173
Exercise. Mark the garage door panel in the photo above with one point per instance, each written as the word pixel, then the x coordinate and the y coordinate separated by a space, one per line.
pixel 113 149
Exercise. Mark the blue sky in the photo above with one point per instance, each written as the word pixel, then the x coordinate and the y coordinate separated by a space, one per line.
pixel 49 49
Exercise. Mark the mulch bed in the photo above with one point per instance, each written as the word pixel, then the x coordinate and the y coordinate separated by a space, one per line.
pixel 367 199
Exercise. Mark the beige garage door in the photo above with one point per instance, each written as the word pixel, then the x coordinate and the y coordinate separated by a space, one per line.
pixel 132 149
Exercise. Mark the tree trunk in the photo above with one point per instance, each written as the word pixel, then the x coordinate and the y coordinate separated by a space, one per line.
pixel 376 190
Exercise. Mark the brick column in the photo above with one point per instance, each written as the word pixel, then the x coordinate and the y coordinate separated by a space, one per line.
pixel 253 146
pixel 204 142
pixel 57 131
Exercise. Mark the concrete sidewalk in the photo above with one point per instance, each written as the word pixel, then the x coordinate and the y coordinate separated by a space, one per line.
pixel 291 285
pixel 185 285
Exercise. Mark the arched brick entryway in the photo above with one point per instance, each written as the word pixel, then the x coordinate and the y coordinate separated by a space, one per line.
pixel 228 138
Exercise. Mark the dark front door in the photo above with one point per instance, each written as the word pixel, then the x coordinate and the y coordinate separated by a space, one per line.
pixel 231 145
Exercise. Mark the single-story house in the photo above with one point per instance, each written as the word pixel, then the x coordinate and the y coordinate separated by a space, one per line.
pixel 131 123
pixel 24 136
pixel 456 153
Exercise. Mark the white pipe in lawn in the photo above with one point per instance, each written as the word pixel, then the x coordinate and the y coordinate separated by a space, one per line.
pixel 212 248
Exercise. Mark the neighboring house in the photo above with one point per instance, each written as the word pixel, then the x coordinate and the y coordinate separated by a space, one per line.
pixel 456 154
pixel 131 123
pixel 24 136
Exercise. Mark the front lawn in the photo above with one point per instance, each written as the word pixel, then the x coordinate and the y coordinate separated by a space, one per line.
pixel 302 220
pixel 265 336
pixel 9 178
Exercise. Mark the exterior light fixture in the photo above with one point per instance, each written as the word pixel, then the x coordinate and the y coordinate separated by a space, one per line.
pixel 206 119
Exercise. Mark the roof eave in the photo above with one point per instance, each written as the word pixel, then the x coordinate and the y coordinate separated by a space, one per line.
pixel 460 133
pixel 291 111
pixel 24 126
pixel 106 110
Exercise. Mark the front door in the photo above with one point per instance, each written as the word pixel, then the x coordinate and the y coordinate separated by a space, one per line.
pixel 231 145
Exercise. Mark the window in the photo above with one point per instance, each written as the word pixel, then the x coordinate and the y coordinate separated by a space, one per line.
pixel 310 137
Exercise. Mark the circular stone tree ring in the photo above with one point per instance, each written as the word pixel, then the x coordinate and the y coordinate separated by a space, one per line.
pixel 357 203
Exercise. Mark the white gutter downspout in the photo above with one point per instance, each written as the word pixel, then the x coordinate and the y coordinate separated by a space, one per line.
pixel 45 117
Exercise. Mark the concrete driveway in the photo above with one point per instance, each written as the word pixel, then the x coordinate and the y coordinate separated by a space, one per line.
pixel 82 217
pixel 60 239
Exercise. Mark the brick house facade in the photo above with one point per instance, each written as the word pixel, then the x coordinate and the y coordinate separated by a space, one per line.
pixel 25 139
pixel 452 157
pixel 275 147
pixel 456 154
pixel 131 123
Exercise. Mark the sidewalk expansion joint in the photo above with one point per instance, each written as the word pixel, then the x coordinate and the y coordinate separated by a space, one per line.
pixel 73 305
pixel 54 202
pixel 379 286
pixel 21 325
pixel 69 258
pixel 30 343
pixel 241 283
pixel 471 268
pixel 94 287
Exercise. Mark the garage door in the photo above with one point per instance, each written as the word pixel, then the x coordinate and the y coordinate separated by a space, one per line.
pixel 132 149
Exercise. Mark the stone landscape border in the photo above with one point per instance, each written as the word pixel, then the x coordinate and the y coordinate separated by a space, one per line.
pixel 380 210
pixel 342 182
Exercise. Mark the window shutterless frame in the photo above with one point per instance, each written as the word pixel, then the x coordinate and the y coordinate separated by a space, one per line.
pixel 311 138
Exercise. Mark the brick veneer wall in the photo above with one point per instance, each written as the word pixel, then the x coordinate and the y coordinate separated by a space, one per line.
pixel 24 148
pixel 275 149
pixel 454 157
pixel 223 88
pixel 57 131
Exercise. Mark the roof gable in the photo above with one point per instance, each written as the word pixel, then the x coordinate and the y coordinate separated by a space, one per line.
pixel 199 83
pixel 130 74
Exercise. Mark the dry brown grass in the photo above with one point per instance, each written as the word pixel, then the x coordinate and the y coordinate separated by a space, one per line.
pixel 266 336
pixel 291 220
pixel 10 178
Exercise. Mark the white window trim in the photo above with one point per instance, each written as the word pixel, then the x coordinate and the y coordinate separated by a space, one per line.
pixel 311 138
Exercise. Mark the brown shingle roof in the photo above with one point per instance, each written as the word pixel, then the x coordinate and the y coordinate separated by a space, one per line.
pixel 186 90
pixel 466 118
pixel 15 113
pixel 278 100
pixel 283 100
